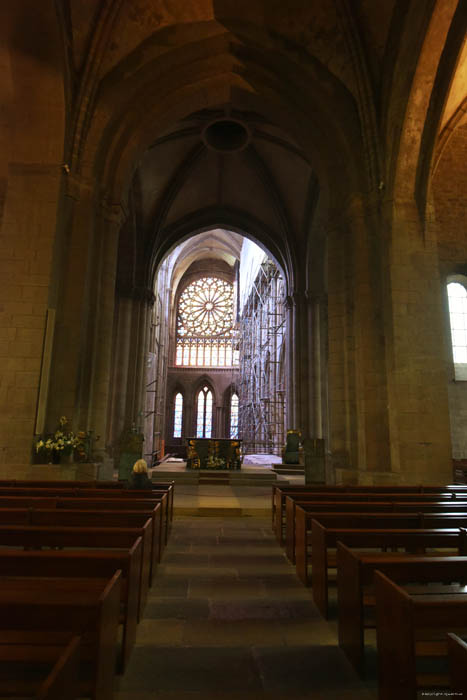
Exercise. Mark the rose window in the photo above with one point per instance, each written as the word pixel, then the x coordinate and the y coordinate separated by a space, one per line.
pixel 205 324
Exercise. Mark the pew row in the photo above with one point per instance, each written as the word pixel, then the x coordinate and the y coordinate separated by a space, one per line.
pixel 425 516
pixel 36 537
pixel 167 487
pixel 457 650
pixel 322 492
pixel 415 540
pixel 88 518
pixel 39 613
pixel 39 672
pixel 355 591
pixel 151 508
pixel 410 628
pixel 78 563
pixel 102 494
pixel 390 502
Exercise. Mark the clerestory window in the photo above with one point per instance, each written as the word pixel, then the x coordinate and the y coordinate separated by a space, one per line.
pixel 205 325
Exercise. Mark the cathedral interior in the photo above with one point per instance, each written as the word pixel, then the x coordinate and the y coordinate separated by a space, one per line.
pixel 230 221
pixel 301 167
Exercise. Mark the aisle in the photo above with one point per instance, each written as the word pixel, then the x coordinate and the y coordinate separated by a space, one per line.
pixel 228 620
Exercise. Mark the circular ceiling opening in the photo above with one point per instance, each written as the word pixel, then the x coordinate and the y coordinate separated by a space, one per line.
pixel 226 135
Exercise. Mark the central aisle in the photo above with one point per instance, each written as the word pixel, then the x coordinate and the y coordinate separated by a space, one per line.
pixel 227 619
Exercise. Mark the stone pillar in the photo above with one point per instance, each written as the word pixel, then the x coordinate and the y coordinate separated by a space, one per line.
pixel 84 297
pixel 299 374
pixel 109 225
pixel 417 382
pixel 317 360
pixel 129 377
pixel 26 268
pixel 359 430
pixel 143 299
pixel 122 344
pixel 289 363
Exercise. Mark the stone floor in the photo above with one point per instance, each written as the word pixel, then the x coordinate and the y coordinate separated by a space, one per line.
pixel 224 500
pixel 227 619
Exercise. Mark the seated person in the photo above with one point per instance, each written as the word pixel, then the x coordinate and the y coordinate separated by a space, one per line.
pixel 139 477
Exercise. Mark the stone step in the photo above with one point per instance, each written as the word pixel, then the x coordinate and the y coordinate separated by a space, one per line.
pixel 299 471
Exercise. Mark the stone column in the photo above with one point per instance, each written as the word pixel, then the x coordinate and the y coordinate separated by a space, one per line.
pixel 85 297
pixel 289 363
pixel 417 382
pixel 26 272
pixel 143 299
pixel 122 345
pixel 299 360
pixel 109 225
pixel 75 266
pixel 317 361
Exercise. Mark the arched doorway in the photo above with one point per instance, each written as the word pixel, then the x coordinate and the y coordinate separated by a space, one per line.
pixel 225 318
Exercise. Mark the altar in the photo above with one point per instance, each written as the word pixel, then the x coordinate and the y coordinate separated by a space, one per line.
pixel 213 453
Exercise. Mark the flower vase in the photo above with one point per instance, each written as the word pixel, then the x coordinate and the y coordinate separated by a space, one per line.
pixel 55 457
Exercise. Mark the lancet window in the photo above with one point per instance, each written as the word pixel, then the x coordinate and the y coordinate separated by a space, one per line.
pixel 204 413
pixel 234 416
pixel 178 415
pixel 205 328
pixel 457 297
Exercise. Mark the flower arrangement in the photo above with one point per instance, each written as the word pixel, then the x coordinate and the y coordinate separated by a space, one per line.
pixel 65 442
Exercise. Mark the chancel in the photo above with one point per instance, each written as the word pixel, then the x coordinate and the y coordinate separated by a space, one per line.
pixel 232 245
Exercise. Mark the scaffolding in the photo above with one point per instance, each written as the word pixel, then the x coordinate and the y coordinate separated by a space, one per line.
pixel 261 382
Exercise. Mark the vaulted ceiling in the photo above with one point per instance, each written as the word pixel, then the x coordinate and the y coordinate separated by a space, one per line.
pixel 323 87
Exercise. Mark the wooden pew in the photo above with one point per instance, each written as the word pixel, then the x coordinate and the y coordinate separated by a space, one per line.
pixel 99 518
pixel 406 628
pixel 96 484
pixel 279 494
pixel 34 537
pixel 43 612
pixel 102 494
pixel 53 678
pixel 429 515
pixel 148 506
pixel 411 540
pixel 457 650
pixel 288 505
pixel 104 518
pixel 88 563
pixel 355 572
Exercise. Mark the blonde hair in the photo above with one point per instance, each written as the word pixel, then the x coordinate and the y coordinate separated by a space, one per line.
pixel 140 467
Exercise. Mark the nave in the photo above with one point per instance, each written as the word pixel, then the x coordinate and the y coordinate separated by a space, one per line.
pixel 227 619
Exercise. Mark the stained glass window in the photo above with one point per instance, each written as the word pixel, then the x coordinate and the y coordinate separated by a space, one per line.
pixel 204 414
pixel 205 331
pixel 178 415
pixel 234 416
pixel 457 296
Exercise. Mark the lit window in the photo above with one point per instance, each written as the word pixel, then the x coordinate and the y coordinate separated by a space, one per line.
pixel 178 415
pixel 205 330
pixel 204 414
pixel 457 297
pixel 234 416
